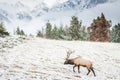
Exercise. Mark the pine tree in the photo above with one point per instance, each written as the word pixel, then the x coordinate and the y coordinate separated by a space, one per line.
pixel 48 30
pixel 61 32
pixel 20 31
pixel 3 31
pixel 100 29
pixel 116 33
pixel 74 30
pixel 55 33
pixel 84 33
pixel 39 34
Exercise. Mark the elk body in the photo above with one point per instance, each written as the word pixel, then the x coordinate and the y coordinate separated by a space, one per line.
pixel 79 61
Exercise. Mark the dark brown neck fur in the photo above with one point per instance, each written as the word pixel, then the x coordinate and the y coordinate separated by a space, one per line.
pixel 71 61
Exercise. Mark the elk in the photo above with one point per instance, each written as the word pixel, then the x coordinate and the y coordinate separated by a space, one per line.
pixel 79 61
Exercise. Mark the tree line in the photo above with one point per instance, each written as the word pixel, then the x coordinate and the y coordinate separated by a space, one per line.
pixel 74 32
pixel 4 32
pixel 99 30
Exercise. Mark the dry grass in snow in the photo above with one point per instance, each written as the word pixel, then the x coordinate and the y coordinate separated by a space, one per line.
pixel 41 59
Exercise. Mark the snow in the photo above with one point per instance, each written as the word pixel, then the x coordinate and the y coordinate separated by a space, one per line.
pixel 42 59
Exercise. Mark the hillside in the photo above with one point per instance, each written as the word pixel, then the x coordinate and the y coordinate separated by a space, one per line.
pixel 42 59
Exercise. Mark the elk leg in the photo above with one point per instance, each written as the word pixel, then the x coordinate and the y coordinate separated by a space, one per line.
pixel 74 68
pixel 93 72
pixel 88 71
pixel 78 69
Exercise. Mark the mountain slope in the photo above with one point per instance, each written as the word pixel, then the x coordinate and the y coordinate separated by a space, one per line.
pixel 20 10
pixel 14 11
pixel 39 10
pixel 110 9
pixel 77 4
pixel 41 59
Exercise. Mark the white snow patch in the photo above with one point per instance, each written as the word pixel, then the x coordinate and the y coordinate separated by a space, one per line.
pixel 41 59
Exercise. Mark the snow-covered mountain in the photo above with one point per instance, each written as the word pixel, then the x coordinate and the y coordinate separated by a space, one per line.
pixel 21 11
pixel 39 10
pixel 78 4
pixel 18 10
pixel 30 14
pixel 14 11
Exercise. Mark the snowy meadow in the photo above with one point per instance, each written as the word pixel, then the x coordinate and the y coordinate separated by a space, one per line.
pixel 42 59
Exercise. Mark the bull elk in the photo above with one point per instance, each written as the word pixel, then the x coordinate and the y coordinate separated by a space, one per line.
pixel 79 61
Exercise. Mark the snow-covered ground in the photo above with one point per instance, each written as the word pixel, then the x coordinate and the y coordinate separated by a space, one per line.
pixel 10 42
pixel 42 59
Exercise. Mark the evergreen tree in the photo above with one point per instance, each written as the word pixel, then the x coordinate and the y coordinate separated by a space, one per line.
pixel 22 32
pixel 74 30
pixel 67 35
pixel 61 32
pixel 100 29
pixel 3 31
pixel 48 30
pixel 55 33
pixel 19 31
pixel 116 33
pixel 84 33
pixel 39 34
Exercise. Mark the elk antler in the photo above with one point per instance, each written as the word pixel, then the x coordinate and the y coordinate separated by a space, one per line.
pixel 69 52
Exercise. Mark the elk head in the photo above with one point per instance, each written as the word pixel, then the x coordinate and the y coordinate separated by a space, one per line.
pixel 69 61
